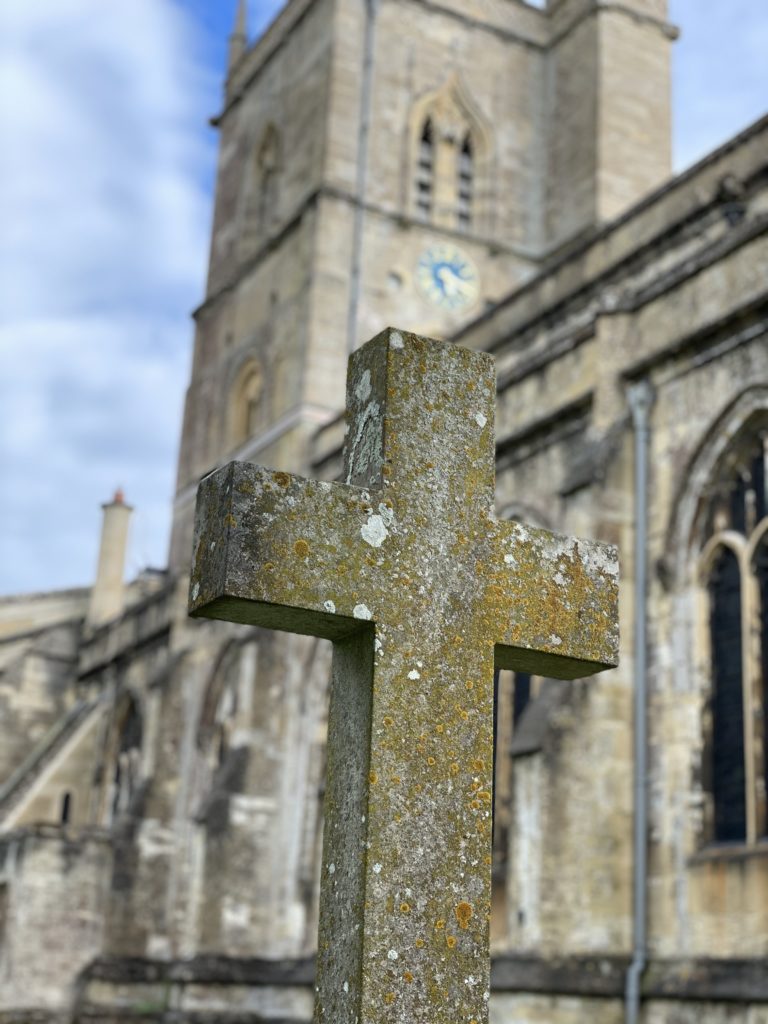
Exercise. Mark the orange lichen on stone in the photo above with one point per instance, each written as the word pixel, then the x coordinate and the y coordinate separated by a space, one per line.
pixel 463 913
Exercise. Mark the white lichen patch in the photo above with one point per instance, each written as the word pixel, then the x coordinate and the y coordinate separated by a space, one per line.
pixel 345 986
pixel 377 646
pixel 329 607
pixel 480 420
pixel 195 591
pixel 392 954
pixel 331 869
pixel 396 340
pixel 555 640
pixel 377 869
pixel 375 531
pixel 510 559
pixel 414 674
pixel 362 611
pixel 363 387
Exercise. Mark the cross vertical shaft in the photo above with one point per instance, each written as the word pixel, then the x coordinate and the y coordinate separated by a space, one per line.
pixel 406 568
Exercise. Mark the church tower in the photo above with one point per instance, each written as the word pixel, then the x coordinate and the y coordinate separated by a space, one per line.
pixel 393 160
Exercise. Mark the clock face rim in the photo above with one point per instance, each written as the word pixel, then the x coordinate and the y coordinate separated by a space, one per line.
pixel 442 253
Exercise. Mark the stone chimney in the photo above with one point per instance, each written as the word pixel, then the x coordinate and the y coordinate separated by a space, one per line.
pixel 107 593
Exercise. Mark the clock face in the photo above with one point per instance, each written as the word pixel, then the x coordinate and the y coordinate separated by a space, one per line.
pixel 447 277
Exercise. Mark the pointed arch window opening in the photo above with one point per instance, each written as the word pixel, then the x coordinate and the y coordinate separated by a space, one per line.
pixel 736 581
pixel 465 184
pixel 425 171
pixel 727 701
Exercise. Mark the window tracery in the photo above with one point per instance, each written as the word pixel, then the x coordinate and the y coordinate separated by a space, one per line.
pixel 734 572
pixel 449 153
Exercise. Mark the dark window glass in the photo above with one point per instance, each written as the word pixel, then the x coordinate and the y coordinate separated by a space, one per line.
pixel 728 778
pixel 465 185
pixel 425 171
pixel 522 695
pixel 761 572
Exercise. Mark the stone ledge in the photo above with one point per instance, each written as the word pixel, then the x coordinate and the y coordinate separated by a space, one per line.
pixel 705 979
pixel 212 970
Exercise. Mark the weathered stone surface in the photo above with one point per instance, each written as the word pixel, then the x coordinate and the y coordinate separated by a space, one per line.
pixel 407 569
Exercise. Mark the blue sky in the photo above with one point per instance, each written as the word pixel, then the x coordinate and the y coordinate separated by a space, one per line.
pixel 107 166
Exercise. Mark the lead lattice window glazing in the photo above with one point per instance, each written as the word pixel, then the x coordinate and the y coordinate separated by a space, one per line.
pixel 735 571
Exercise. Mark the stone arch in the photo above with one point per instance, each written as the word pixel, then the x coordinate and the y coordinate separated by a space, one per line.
pixel 125 746
pixel 261 186
pixel 718 525
pixel 458 169
pixel 245 405
pixel 686 526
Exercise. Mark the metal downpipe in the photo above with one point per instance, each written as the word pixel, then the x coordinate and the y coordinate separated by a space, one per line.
pixel 363 133
pixel 640 397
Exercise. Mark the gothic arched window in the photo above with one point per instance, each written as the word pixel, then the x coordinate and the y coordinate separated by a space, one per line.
pixel 245 408
pixel 735 573
pixel 425 169
pixel 261 189
pixel 465 185
pixel 127 762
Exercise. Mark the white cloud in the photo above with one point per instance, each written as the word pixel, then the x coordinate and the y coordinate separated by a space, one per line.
pixel 105 213
pixel 105 167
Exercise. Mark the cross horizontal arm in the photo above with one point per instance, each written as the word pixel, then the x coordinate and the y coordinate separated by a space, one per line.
pixel 555 602
pixel 276 550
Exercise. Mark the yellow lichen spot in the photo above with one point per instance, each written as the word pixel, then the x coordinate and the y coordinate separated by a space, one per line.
pixel 389 998
pixel 408 977
pixel 419 943
pixel 478 765
pixel 430 761
pixel 282 478
pixel 470 685
pixel 464 715
pixel 475 786
pixel 475 805
pixel 301 548
pixel 485 795
pixel 230 521
pixel 405 908
pixel 373 778
pixel 269 566
pixel 463 913
pixel 454 769
pixel 440 924
pixel 440 729
pixel 388 720
pixel 488 859
pixel 396 780
pixel 450 941
pixel 386 470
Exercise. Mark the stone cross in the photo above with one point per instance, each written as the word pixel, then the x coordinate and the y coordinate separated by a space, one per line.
pixel 423 591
